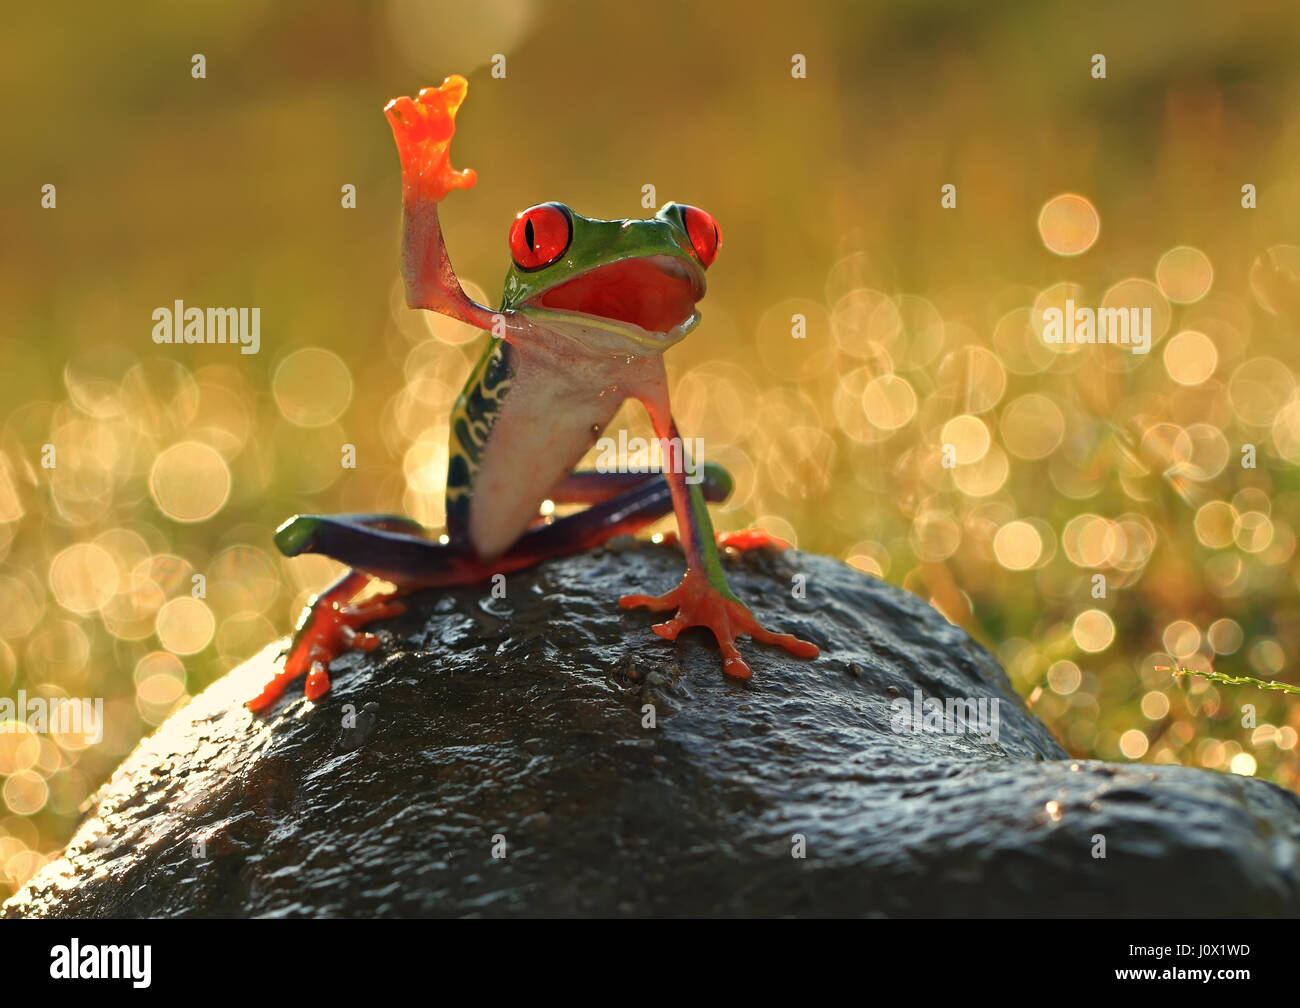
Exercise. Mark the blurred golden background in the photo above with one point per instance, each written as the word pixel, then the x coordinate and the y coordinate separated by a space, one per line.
pixel 176 461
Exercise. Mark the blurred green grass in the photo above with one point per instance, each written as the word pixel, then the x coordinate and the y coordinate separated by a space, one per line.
pixel 226 191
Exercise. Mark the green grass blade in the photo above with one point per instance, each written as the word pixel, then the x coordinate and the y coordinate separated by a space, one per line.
pixel 1231 680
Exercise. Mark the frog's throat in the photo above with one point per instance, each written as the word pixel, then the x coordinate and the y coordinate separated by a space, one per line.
pixel 604 335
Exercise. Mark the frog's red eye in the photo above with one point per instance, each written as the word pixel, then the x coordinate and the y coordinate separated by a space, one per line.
pixel 540 235
pixel 703 233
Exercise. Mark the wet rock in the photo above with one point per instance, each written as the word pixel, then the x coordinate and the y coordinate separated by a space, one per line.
pixel 521 727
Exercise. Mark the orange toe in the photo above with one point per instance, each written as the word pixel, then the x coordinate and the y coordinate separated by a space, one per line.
pixel 749 539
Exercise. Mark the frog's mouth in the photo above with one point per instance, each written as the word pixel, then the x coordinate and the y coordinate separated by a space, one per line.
pixel 654 293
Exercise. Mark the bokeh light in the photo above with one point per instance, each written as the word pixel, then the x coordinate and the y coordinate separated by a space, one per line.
pixel 190 482
pixel 312 387
pixel 1190 357
pixel 1069 224
pixel 1184 274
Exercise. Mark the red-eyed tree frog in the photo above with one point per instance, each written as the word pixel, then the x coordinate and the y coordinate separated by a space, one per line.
pixel 588 310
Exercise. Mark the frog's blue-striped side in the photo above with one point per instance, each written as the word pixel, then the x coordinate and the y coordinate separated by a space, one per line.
pixel 472 417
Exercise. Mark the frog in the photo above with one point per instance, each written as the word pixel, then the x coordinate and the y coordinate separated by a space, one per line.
pixel 588 308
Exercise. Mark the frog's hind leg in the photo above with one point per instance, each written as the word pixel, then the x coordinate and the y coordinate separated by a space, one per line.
pixel 591 487
pixel 397 550
pixel 620 504
pixel 386 546
pixel 329 626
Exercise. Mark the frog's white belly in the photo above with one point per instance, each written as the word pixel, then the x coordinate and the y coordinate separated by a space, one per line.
pixel 556 409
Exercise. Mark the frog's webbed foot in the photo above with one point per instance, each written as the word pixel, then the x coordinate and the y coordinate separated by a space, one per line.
pixel 385 546
pixel 331 626
pixel 699 603
pixel 742 541
pixel 423 127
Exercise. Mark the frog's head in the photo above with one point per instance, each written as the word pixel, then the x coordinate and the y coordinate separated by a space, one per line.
pixel 636 282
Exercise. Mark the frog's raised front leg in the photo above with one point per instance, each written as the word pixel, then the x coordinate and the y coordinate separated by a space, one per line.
pixel 703 597
pixel 423 127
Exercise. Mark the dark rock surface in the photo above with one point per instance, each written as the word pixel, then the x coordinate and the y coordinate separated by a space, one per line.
pixel 522 716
